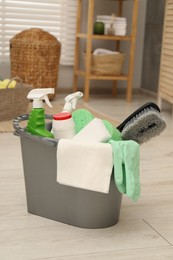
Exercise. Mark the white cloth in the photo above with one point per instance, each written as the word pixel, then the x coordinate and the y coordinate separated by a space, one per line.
pixel 84 165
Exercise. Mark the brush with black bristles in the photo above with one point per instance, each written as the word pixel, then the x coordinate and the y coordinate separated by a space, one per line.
pixel 143 124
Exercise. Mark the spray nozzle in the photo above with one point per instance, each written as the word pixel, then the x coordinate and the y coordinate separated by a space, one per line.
pixel 40 94
pixel 71 101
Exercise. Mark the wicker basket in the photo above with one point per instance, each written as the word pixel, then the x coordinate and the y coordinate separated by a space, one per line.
pixel 111 64
pixel 35 55
pixel 13 101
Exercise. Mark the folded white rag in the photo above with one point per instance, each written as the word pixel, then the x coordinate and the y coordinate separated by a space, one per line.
pixel 101 51
pixel 84 165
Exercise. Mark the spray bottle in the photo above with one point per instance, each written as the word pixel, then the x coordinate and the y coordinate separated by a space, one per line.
pixel 63 125
pixel 36 122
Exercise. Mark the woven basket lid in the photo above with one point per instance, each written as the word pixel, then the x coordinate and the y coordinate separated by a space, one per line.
pixel 35 35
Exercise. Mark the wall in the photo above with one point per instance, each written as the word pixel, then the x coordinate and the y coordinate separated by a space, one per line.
pixel 105 7
pixel 152 44
pixel 139 40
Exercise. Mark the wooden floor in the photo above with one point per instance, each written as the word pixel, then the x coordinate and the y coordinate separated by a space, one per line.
pixel 145 229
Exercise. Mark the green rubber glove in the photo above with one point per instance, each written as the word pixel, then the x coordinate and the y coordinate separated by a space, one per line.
pixel 126 167
pixel 119 167
pixel 132 162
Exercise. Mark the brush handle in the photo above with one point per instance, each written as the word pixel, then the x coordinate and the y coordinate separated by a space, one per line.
pixel 136 112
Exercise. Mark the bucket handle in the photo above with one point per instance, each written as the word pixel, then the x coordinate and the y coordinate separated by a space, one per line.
pixel 19 131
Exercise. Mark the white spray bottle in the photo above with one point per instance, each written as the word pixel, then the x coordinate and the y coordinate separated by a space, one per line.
pixel 36 122
pixel 63 125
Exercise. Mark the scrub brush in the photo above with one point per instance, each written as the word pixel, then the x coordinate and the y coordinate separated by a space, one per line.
pixel 143 124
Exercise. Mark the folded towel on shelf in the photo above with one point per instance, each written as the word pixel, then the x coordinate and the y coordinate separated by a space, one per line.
pixel 100 51
pixel 84 165
pixel 120 32
pixel 126 167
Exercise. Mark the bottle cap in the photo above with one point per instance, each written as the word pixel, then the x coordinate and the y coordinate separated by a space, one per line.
pixel 62 116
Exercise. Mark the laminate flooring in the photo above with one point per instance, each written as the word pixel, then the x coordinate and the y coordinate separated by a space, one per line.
pixel 145 227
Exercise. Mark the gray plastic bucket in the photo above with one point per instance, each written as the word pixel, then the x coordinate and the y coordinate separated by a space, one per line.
pixel 47 198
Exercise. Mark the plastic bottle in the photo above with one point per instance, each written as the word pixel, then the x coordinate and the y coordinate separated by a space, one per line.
pixel 36 123
pixel 63 124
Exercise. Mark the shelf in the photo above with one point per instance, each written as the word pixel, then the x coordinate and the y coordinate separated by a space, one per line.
pixel 102 77
pixel 105 37
pixel 89 37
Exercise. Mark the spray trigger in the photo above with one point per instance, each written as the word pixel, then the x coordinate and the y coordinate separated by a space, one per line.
pixel 71 101
pixel 40 94
pixel 47 101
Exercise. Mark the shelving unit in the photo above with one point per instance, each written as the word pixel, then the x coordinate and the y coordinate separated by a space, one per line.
pixel 89 36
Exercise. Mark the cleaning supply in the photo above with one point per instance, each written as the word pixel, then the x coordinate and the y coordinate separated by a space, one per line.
pixel 81 118
pixel 63 124
pixel 145 123
pixel 115 133
pixel 126 167
pixel 7 83
pixel 3 83
pixel 71 101
pixel 94 131
pixel 85 165
pixel 36 122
